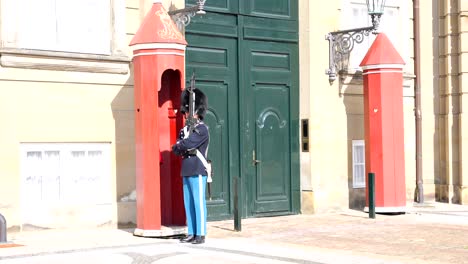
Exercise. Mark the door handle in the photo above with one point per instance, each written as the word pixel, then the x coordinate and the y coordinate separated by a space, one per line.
pixel 254 160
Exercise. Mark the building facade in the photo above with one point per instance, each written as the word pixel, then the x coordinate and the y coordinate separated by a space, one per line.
pixel 289 138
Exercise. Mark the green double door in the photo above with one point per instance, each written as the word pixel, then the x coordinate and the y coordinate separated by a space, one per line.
pixel 248 67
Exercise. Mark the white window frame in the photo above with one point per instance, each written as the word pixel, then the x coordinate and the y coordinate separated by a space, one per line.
pixel 359 181
pixel 73 54
pixel 66 189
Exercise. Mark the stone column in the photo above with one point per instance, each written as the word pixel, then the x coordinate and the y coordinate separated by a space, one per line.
pixel 453 121
pixel 462 188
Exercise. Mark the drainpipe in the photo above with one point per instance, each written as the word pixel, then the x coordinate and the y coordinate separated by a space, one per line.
pixel 3 226
pixel 417 103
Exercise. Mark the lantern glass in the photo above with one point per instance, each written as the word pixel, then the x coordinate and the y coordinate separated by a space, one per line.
pixel 375 7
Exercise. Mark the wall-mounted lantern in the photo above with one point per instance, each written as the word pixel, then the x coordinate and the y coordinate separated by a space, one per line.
pixel 182 17
pixel 342 42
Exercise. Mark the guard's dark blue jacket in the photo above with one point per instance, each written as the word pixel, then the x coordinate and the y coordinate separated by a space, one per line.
pixel 198 139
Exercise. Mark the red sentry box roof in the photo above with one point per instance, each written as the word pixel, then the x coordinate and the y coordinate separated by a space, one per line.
pixel 382 51
pixel 158 27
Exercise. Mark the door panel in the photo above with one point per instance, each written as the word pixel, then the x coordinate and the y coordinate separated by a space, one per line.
pixel 268 29
pixel 215 67
pixel 217 24
pixel 272 172
pixel 268 101
pixel 228 6
pixel 284 9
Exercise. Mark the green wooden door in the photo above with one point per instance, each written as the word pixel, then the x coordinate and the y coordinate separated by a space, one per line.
pixel 245 57
pixel 214 61
pixel 268 95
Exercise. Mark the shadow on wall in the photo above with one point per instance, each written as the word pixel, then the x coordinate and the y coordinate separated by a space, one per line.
pixel 122 110
pixel 352 95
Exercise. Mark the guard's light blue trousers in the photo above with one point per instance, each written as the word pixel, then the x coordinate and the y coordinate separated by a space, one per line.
pixel 195 204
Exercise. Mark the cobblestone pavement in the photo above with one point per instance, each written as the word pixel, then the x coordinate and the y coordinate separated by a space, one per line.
pixel 424 235
pixel 420 237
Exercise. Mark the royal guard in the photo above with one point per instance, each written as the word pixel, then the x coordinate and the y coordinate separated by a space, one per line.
pixel 192 146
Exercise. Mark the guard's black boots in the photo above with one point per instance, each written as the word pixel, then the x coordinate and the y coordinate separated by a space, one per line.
pixel 199 240
pixel 187 239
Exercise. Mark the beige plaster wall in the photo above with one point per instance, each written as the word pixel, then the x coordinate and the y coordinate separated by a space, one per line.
pixel 307 205
pixel 335 111
pixel 56 106
pixel 77 102
pixel 326 187
pixel 429 93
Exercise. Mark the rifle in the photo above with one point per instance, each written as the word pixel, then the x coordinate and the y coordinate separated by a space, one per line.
pixel 190 121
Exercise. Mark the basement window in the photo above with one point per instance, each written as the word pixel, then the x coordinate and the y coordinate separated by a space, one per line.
pixel 65 173
pixel 359 164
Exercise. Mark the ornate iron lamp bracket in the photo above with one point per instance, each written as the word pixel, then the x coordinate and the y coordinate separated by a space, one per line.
pixel 183 17
pixel 342 42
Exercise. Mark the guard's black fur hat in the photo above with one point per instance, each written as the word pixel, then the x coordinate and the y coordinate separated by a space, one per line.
pixel 201 103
